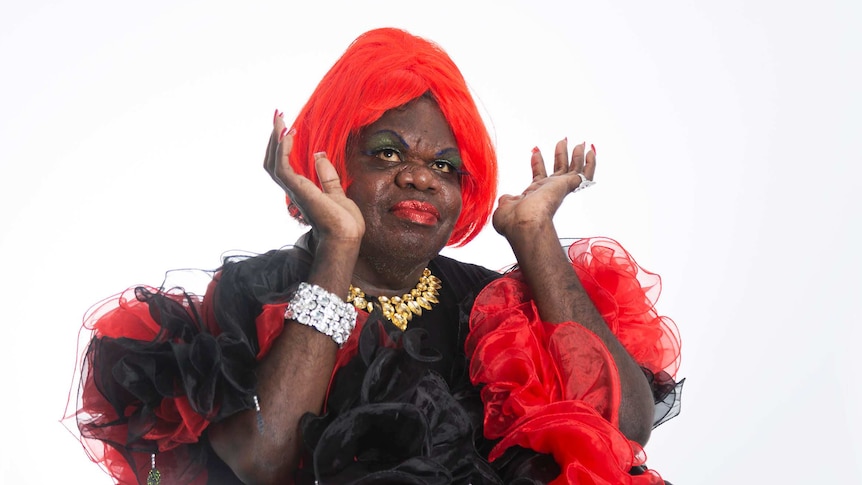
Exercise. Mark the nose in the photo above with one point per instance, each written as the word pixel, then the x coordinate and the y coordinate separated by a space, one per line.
pixel 416 175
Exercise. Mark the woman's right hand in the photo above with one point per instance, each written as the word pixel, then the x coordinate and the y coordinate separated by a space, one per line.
pixel 292 379
pixel 330 213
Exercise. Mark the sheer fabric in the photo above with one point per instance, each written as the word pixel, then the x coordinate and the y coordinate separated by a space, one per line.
pixel 478 390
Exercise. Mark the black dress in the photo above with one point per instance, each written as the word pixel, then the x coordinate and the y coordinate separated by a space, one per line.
pixel 401 409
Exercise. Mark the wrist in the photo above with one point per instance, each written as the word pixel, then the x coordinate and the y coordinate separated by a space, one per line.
pixel 330 246
pixel 326 312
pixel 332 261
pixel 527 234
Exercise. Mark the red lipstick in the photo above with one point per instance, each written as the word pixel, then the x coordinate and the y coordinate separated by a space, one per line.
pixel 416 211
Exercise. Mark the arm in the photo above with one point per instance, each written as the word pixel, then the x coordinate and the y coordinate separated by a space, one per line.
pixel 293 377
pixel 526 222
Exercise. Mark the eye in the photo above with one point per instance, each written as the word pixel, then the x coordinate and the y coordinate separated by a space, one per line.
pixel 388 155
pixel 444 166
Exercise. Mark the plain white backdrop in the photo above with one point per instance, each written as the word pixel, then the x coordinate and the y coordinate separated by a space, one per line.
pixel 131 138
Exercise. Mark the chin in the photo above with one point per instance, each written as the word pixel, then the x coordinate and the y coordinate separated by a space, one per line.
pixel 408 246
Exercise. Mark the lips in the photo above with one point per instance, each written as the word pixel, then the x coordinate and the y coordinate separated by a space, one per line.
pixel 417 212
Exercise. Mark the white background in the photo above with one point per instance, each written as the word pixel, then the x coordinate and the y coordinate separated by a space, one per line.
pixel 131 137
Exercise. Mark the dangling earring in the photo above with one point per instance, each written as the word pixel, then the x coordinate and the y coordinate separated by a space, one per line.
pixel 154 477
pixel 259 416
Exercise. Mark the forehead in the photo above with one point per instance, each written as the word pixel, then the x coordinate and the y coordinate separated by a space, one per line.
pixel 419 120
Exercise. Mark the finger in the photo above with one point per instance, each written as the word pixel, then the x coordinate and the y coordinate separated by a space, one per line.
pixel 330 182
pixel 282 171
pixel 537 164
pixel 269 159
pixel 578 158
pixel 590 166
pixel 561 156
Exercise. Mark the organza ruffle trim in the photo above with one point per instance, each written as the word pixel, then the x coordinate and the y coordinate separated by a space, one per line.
pixel 554 388
pixel 158 370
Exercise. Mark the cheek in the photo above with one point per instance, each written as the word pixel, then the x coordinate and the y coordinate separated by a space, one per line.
pixel 366 193
pixel 455 203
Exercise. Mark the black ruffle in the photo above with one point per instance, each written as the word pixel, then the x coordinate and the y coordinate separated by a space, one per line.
pixel 215 372
pixel 390 419
pixel 667 394
pixel 127 383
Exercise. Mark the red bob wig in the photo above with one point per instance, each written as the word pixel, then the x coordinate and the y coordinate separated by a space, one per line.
pixel 385 69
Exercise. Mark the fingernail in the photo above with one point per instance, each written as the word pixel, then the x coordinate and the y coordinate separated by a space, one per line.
pixel 593 148
pixel 281 114
pixel 274 116
pixel 292 131
pixel 535 150
pixel 283 132
pixel 319 155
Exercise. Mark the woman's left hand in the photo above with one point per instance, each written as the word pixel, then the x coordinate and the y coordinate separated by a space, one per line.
pixel 538 203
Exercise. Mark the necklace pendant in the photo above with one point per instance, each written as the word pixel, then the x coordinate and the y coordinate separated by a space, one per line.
pixel 421 301
pixel 399 321
pixel 414 307
pixel 401 309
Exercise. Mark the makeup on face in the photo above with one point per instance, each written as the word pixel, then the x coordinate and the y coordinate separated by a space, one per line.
pixel 417 212
pixel 387 148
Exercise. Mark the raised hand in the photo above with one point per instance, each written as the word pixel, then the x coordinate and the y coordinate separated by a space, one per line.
pixel 538 203
pixel 330 213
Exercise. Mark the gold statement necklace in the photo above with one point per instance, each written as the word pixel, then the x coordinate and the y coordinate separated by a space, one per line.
pixel 400 309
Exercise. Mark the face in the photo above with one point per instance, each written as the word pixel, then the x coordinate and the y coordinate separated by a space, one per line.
pixel 405 179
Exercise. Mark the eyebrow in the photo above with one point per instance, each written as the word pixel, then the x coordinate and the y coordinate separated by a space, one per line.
pixel 396 135
pixel 447 150
pixel 407 145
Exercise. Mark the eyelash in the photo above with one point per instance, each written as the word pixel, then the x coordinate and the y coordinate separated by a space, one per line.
pixel 449 166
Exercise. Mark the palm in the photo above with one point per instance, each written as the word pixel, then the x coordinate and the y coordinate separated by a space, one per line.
pixel 326 208
pixel 540 200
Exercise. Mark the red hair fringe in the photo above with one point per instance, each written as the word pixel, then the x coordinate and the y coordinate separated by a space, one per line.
pixel 385 69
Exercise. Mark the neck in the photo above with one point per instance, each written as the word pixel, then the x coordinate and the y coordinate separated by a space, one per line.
pixel 385 277
pixel 378 276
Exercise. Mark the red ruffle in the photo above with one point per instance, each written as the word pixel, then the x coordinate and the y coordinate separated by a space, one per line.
pixel 625 294
pixel 554 388
pixel 124 316
pixel 550 388
pixel 269 324
pixel 178 423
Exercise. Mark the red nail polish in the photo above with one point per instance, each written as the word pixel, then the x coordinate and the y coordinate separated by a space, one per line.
pixel 281 114
pixel 593 148
pixel 535 150
pixel 283 132
pixel 292 131
pixel 274 116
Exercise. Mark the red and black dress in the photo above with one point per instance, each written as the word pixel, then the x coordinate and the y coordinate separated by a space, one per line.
pixel 478 390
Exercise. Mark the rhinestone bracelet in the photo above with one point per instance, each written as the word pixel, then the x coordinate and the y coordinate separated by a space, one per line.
pixel 324 311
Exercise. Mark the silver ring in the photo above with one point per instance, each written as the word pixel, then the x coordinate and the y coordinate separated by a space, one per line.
pixel 585 182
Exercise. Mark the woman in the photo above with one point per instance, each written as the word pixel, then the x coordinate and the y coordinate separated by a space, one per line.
pixel 449 366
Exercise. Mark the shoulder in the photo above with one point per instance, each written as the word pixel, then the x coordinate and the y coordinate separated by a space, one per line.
pixel 468 277
pixel 272 272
